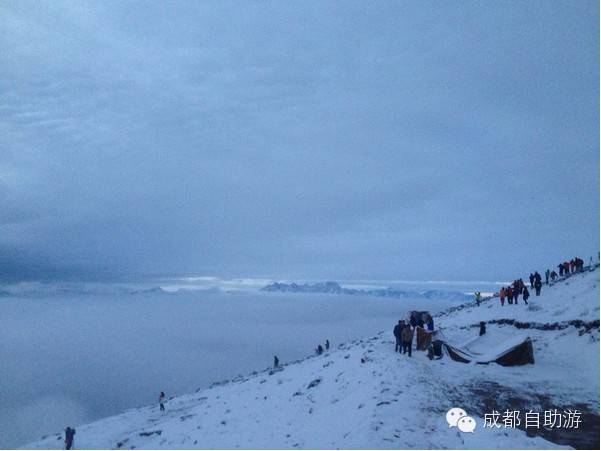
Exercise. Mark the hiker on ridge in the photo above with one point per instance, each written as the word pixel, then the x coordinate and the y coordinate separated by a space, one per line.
pixel 517 289
pixel 537 286
pixel 477 296
pixel 509 292
pixel 547 274
pixel 525 295
pixel 502 296
pixel 531 280
pixel 327 345
pixel 276 361
pixel 162 399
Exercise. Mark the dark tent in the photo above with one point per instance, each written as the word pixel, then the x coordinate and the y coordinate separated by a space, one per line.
pixel 491 348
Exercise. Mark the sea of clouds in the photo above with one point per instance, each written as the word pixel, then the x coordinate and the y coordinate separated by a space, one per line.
pixel 73 354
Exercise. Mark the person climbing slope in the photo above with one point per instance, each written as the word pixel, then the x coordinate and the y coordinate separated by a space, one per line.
pixel 537 286
pixel 525 295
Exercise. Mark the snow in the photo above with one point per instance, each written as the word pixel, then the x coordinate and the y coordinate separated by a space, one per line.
pixel 363 395
pixel 75 353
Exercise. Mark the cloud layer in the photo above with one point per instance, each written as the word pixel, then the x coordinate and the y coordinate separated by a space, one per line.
pixel 397 140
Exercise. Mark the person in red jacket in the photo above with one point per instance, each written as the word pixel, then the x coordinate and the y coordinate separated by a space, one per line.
pixel 509 292
pixel 502 296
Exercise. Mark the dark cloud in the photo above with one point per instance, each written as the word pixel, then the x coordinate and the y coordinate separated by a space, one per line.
pixel 314 140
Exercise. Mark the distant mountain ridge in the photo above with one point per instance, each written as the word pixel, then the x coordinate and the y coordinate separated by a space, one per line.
pixel 335 288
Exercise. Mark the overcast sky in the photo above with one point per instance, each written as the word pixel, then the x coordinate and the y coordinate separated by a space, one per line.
pixel 404 139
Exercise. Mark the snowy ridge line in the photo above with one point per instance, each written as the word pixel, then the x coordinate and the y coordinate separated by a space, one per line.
pixel 559 280
pixel 578 323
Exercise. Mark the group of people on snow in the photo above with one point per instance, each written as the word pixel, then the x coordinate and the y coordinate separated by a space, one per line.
pixel 518 288
pixel 321 349
pixel 405 330
pixel 536 282
pixel 570 267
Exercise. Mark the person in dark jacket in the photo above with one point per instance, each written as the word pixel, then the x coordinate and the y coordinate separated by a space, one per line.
pixel 407 338
pixel 276 361
pixel 537 286
pixel 162 399
pixel 553 276
pixel 397 335
pixel 69 434
pixel 547 274
pixel 420 321
pixel 560 267
pixel 413 321
pixel 531 280
pixel 509 292
pixel 482 327
pixel 327 345
pixel 522 285
pixel 525 295
pixel 319 350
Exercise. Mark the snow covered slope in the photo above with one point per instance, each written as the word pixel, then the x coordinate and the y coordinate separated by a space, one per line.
pixel 363 395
